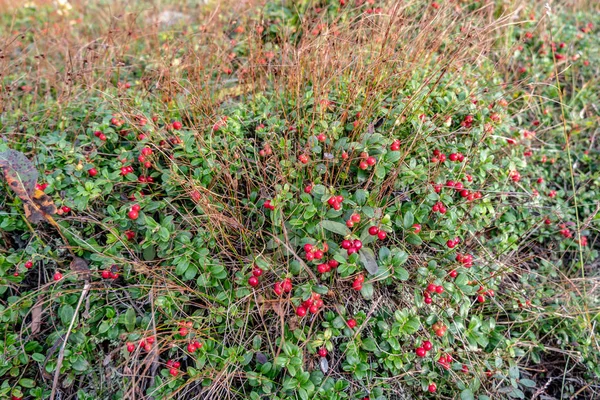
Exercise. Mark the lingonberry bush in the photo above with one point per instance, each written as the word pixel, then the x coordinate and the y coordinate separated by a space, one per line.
pixel 300 200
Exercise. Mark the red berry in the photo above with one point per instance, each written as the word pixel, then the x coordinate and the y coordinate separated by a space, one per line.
pixel 321 137
pixel 333 263
pixel 451 244
pixel 371 161
pixel 177 125
pixel 351 323
pixel 308 189
pixel 66 209
pixel 308 247
pixel 427 345
pixel 136 207
pixel 29 264
pixel 355 218
pixel 322 352
pixel 381 235
pixel 363 165
pixel 346 244
pixel 130 235
pixel 373 230
pixel 481 298
pixel 420 352
pixel 432 388
pixel 322 268
pixel 301 311
pixel 105 274
pixel 428 300
pixel 183 331
pixel 257 271
pixel 303 158
pixel 191 348
pixel 287 285
pixel 173 371
pixel 431 288
pixel 439 289
pixel 318 254
pixel 278 289
pixel 57 276
pixel 253 281
pixel 453 273
pixel 130 347
pixel 416 228
pixel 132 214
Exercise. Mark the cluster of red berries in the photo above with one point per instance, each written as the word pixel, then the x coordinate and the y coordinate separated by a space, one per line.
pixel 456 157
pixel 145 344
pixel 422 350
pixel 439 329
pixel 266 150
pixel 328 266
pixel 303 158
pixel 256 273
pixel 117 122
pixel 358 282
pixel 145 179
pixel 283 286
pixel 268 205
pixel 336 202
pixel 146 151
pixel 465 259
pixel 100 135
pixel 220 123
pixel 438 156
pixel 110 273
pixel 313 304
pixel 467 121
pixel 134 212
pixel 314 253
pixel 128 169
pixel 173 367
pixel 194 346
pixel 395 146
pixel 482 293
pixel 351 247
pixel 354 219
pixel 375 231
pixel 445 361
pixel 366 161
pixel 514 175
pixel 451 243
pixel 431 289
pixel 439 207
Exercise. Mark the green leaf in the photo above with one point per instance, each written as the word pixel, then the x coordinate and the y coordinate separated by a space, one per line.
pixel 367 291
pixel 130 319
pixel 527 382
pixel 467 394
pixel 360 196
pixel 380 171
pixel 27 383
pixel 409 219
pixel 66 314
pixel 401 273
pixel 367 258
pixel 369 344
pixel 335 227
pixel 414 239
pixel 392 156
pixel 149 253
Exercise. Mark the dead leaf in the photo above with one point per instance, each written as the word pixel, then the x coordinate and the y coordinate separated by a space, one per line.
pixel 39 207
pixel 80 266
pixel 21 175
pixel 36 317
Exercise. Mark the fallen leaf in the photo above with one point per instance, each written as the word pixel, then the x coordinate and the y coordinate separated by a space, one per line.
pixel 80 266
pixel 21 176
pixel 36 317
